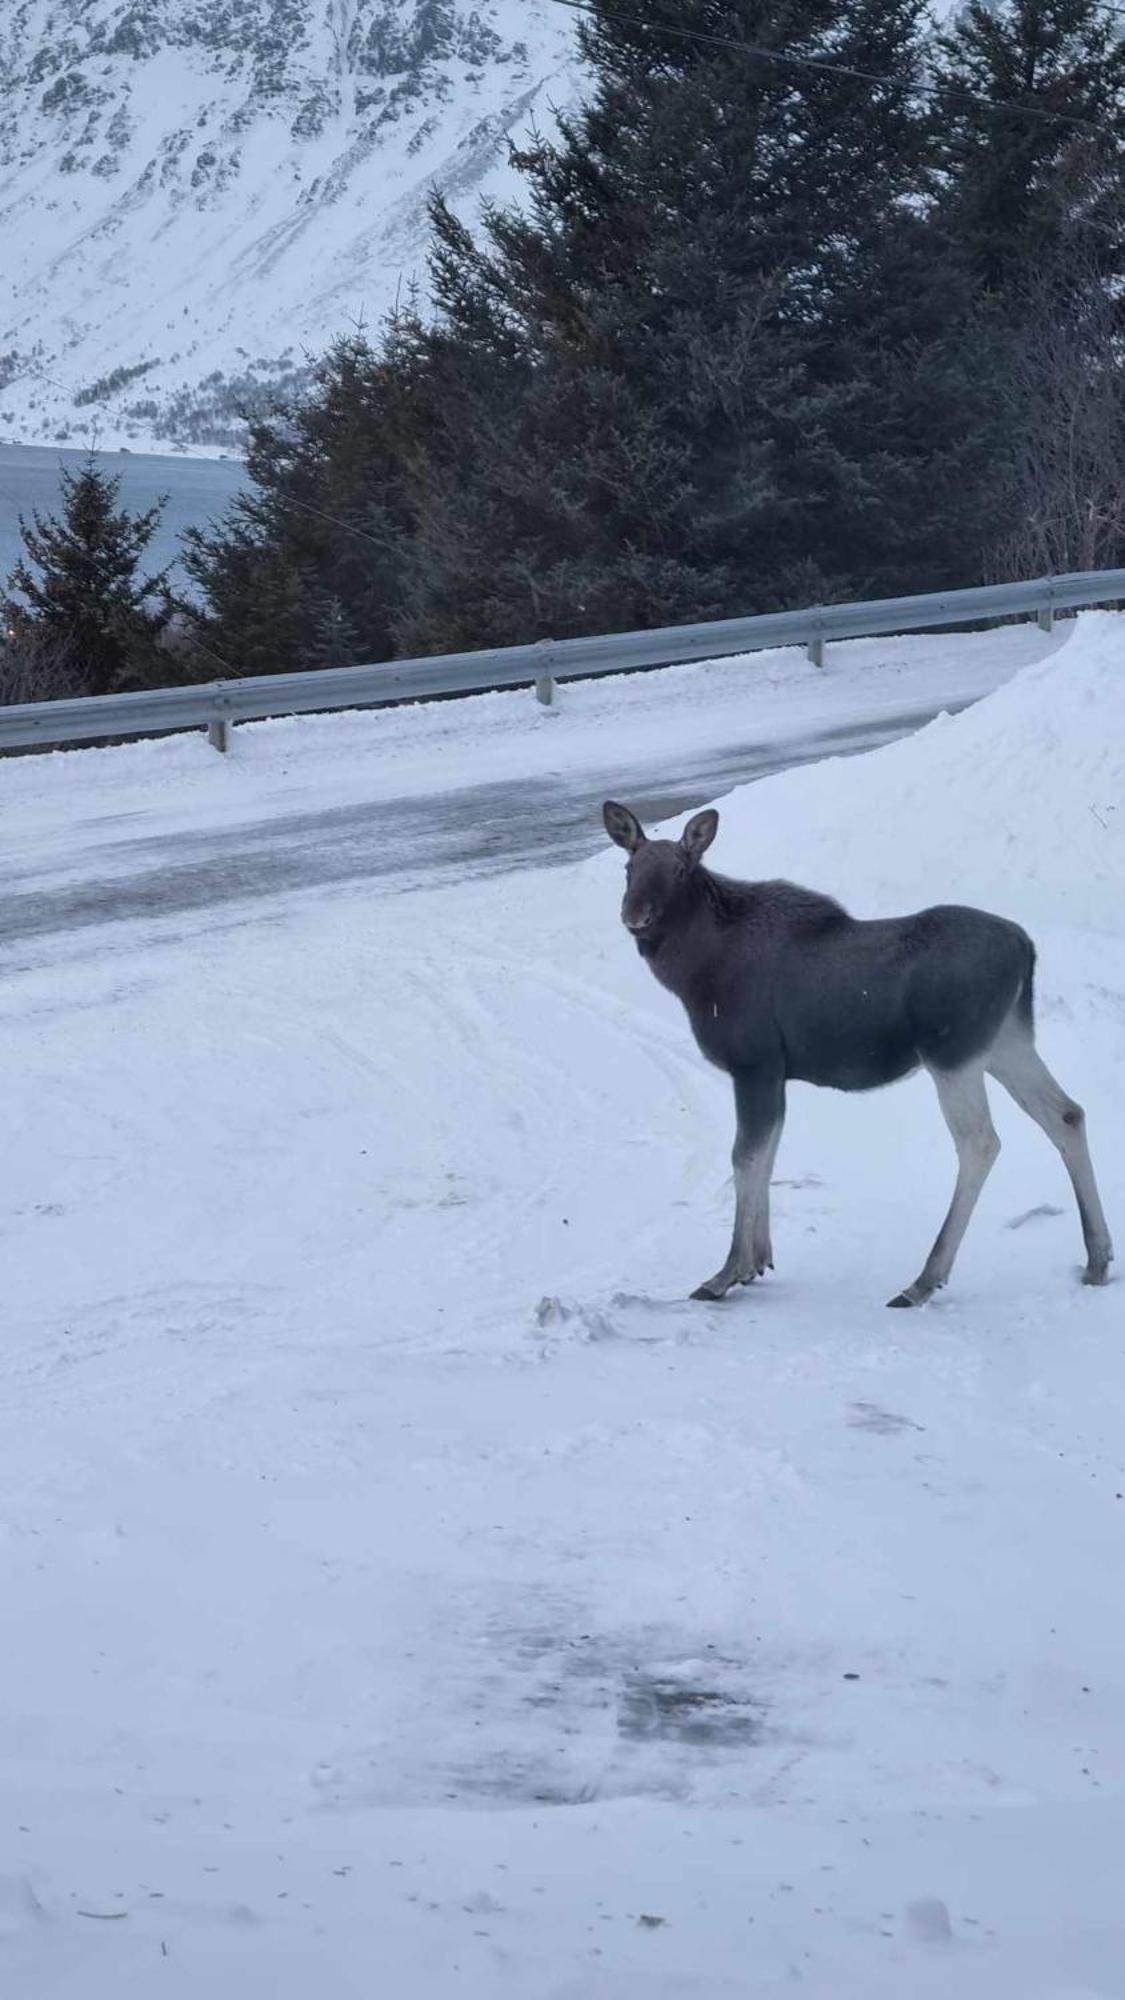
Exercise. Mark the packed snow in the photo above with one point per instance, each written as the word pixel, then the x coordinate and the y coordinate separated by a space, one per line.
pixel 406 1588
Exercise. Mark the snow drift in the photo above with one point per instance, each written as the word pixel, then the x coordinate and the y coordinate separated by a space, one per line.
pixel 1019 801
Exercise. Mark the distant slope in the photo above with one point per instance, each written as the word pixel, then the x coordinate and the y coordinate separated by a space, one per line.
pixel 194 197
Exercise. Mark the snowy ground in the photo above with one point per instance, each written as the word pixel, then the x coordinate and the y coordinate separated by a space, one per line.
pixel 405 1589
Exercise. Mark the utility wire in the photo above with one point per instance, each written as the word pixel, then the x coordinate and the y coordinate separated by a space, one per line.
pixel 287 500
pixel 950 93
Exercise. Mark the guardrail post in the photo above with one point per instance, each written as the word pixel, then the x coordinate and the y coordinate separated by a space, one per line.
pixel 815 650
pixel 545 686
pixel 218 728
pixel 1046 618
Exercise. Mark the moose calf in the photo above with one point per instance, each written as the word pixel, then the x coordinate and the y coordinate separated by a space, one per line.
pixel 780 982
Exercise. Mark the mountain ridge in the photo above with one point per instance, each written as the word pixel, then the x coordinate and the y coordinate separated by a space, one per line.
pixel 195 199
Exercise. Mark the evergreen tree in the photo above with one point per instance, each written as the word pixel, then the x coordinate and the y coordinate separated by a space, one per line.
pixel 76 595
pixel 326 516
pixel 1066 461
pixel 752 339
pixel 1031 102
pixel 925 410
pixel 684 443
pixel 334 643
pixel 1032 159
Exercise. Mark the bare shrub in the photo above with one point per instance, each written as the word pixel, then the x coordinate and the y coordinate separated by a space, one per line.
pixel 36 666
pixel 1068 380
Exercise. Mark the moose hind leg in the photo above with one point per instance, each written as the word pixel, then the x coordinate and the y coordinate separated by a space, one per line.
pixel 760 1108
pixel 1017 1064
pixel 964 1103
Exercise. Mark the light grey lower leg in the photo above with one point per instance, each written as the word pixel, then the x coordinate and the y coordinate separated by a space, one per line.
pixel 1017 1064
pixel 964 1103
pixel 760 1106
pixel 762 1243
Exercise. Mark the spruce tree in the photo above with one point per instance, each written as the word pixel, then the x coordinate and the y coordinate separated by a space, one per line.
pixel 325 517
pixel 1031 103
pixel 1032 158
pixel 748 341
pixel 334 642
pixel 682 446
pixel 77 595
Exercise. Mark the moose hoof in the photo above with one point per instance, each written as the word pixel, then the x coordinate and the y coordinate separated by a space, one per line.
pixel 914 1295
pixel 1096 1274
pixel 917 1294
pixel 712 1292
pixel 718 1287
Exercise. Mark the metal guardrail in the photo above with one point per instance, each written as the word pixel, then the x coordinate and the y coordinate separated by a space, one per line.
pixel 215 705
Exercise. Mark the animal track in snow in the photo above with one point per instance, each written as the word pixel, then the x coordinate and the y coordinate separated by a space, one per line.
pixel 1038 1214
pixel 884 1423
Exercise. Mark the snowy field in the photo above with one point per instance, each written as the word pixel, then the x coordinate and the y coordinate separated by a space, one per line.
pixel 406 1590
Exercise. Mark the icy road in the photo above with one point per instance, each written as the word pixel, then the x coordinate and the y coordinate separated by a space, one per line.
pixel 437 794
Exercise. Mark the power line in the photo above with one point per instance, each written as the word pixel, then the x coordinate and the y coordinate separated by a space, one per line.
pixel 334 520
pixel 287 500
pixel 950 93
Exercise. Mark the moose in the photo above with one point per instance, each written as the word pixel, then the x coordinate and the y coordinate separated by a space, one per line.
pixel 781 983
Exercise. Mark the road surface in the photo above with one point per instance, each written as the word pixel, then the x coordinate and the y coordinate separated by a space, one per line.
pixel 392 843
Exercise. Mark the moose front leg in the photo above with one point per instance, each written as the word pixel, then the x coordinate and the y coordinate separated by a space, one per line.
pixel 759 1099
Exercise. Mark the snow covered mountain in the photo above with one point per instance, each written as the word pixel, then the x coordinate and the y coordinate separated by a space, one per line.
pixel 196 194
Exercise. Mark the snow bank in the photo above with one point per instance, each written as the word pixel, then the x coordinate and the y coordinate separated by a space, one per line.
pixel 1020 801
pixel 403 1581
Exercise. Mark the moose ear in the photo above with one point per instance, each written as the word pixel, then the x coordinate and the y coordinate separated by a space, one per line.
pixel 623 827
pixel 698 834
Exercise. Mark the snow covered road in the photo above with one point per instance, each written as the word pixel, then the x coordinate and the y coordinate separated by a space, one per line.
pixel 457 832
pixel 405 1589
pixel 439 793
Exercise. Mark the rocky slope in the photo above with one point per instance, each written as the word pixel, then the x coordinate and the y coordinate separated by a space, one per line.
pixel 197 194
